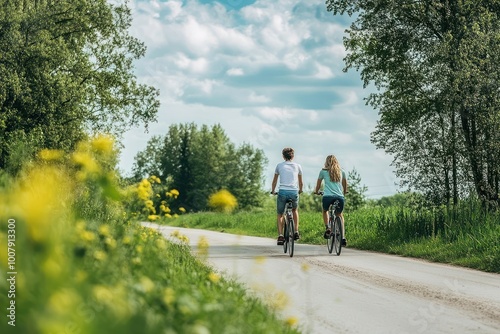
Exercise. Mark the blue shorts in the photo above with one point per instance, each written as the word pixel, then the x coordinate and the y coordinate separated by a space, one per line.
pixel 328 200
pixel 283 196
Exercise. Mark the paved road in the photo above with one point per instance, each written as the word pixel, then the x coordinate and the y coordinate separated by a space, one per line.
pixel 357 292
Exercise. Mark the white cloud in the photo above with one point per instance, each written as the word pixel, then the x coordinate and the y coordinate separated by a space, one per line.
pixel 258 98
pixel 235 71
pixel 270 73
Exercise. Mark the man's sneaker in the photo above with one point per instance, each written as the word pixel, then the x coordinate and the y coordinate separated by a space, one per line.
pixel 327 233
pixel 344 242
pixel 281 240
pixel 296 236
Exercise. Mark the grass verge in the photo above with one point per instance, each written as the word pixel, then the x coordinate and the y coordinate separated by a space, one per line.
pixel 391 230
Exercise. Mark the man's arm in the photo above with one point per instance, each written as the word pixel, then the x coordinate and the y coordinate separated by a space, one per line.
pixel 301 184
pixel 275 181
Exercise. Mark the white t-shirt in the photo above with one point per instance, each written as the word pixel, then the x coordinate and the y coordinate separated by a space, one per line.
pixel 289 172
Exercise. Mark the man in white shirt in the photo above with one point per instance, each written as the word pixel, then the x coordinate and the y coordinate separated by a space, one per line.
pixel 290 176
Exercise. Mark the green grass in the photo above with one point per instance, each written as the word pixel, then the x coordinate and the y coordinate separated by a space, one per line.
pixel 466 237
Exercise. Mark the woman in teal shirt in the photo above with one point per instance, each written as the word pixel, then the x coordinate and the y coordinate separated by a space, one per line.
pixel 335 189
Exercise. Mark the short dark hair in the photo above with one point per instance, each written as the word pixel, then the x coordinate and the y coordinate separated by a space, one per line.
pixel 288 153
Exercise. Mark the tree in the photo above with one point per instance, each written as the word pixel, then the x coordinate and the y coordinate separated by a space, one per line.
pixel 432 61
pixel 356 196
pixel 202 161
pixel 66 69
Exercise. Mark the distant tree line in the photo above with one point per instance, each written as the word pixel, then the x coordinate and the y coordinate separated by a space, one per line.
pixel 200 161
pixel 436 65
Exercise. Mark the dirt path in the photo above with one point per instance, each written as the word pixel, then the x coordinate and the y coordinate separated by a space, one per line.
pixel 357 292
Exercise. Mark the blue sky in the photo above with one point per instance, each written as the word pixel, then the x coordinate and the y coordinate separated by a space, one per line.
pixel 269 71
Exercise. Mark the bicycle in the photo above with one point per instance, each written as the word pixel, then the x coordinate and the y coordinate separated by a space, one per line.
pixel 288 228
pixel 334 240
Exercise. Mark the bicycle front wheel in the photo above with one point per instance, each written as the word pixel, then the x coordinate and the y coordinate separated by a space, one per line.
pixel 337 235
pixel 291 236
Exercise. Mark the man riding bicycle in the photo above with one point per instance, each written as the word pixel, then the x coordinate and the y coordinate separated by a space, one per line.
pixel 290 175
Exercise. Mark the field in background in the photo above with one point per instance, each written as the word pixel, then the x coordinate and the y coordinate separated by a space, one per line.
pixel 466 236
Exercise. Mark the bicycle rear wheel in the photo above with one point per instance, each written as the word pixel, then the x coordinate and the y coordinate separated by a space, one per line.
pixel 330 240
pixel 291 236
pixel 337 235
pixel 285 234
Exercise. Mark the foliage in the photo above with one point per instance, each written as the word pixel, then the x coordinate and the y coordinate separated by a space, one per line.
pixel 82 266
pixel 356 197
pixel 436 67
pixel 222 201
pixel 201 161
pixel 67 70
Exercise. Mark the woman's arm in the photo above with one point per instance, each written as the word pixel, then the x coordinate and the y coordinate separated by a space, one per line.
pixel 318 185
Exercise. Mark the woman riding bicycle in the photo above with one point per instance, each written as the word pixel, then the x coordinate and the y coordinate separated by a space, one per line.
pixel 335 189
pixel 290 175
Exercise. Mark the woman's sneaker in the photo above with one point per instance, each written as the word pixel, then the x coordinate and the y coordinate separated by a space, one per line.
pixel 344 242
pixel 296 236
pixel 327 233
pixel 281 240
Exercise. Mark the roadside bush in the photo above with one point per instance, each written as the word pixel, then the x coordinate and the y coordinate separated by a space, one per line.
pixel 81 265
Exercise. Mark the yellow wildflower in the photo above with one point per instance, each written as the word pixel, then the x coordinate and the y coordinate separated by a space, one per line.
pixel 63 300
pixel 222 201
pixel 50 155
pixel 86 161
pixel 87 236
pixel 146 284
pixel 292 321
pixel 99 255
pixel 102 144
pixel 173 193
pixel 203 246
pixel 214 277
pixel 168 296
pixel 42 200
pixel 181 209
pixel 104 230
pixel 110 242
pixel 161 244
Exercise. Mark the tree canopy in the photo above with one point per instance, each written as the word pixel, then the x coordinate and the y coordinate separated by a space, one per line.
pixel 67 70
pixel 200 161
pixel 436 66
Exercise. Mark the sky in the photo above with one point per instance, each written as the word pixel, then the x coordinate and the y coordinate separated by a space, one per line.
pixel 269 72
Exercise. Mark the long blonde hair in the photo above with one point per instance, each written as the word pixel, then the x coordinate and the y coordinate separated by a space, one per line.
pixel 333 168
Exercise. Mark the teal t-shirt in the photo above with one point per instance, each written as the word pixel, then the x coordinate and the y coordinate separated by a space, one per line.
pixel 332 188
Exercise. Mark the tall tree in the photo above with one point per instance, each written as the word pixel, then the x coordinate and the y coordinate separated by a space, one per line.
pixel 201 161
pixel 67 69
pixel 432 60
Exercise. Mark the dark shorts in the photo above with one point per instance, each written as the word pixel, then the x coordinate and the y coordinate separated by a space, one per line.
pixel 328 200
pixel 283 196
